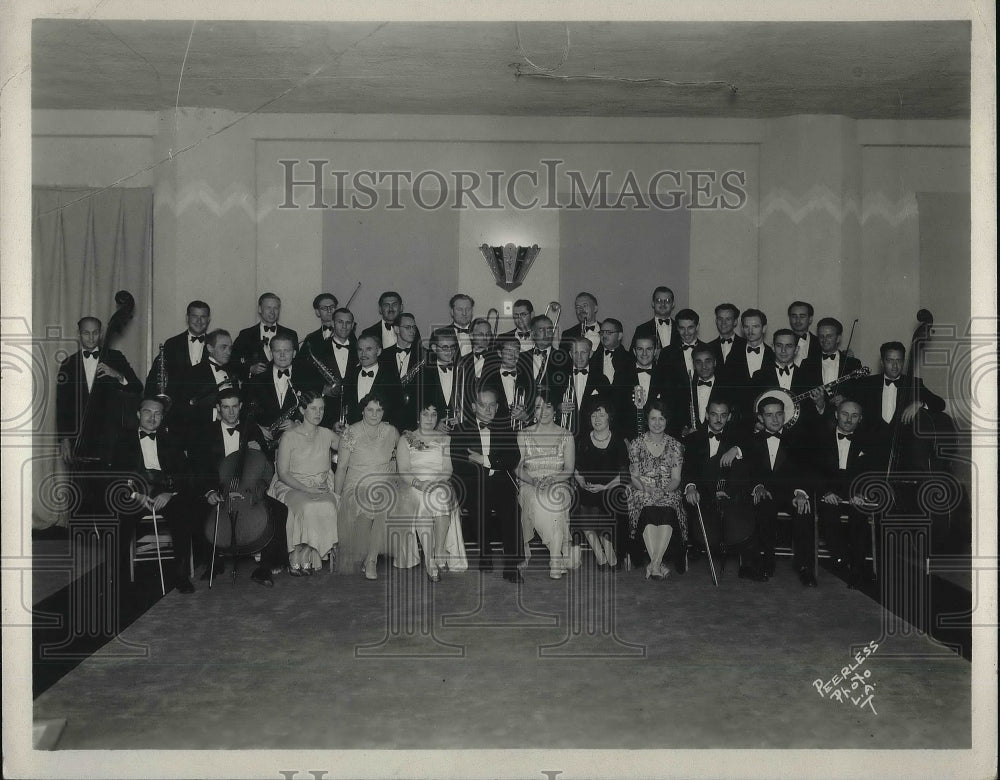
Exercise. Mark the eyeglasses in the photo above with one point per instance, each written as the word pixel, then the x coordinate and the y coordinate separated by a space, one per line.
pixel 327 308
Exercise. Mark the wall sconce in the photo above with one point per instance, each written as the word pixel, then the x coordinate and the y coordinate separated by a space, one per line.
pixel 509 264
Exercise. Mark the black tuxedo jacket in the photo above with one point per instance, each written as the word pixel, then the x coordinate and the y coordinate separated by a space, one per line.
pixel 736 369
pixel 522 380
pixel 520 341
pixel 409 392
pixel 647 329
pixel 552 381
pixel 673 384
pixel 260 390
pixel 490 368
pixel 248 349
pixel 428 390
pixel 315 344
pixel 375 329
pixel 814 350
pixel 196 395
pixel 177 361
pixel 803 380
pixel 739 344
pixel 566 339
pixel 110 408
pixel 174 474
pixel 705 472
pixel 824 460
pixel 387 385
pixel 792 467
pixel 504 453
pixel 720 392
pixel 868 392
pixel 845 365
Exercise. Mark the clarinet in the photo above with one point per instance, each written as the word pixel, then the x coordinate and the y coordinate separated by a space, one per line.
pixel 335 382
pixel 285 415
pixel 161 380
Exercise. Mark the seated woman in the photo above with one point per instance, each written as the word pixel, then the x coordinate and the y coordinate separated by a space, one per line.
pixel 367 491
pixel 304 482
pixel 546 467
pixel 601 466
pixel 424 463
pixel 655 506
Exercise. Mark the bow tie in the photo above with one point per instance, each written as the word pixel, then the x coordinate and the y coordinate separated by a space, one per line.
pixel 893 382
pixel 215 366
pixel 830 357
pixel 523 336
pixel 327 329
pixel 368 374
pixel 609 353
pixel 388 326
pixel 484 426
pixel 284 372
pixel 583 371
pixel 803 336
pixel 773 435
pixel 461 330
pixel 755 350
pixel 663 322
pixel 784 371
pixel 270 328
pixel 726 341
pixel 231 431
pixel 508 373
pixel 404 350
pixel 687 346
pixel 704 383
pixel 147 435
pixel 94 354
pixel 716 436
pixel 200 339
pixel 847 436
pixel 590 329
pixel 446 369
pixel 537 351
pixel 338 345
pixel 479 356
pixel 643 370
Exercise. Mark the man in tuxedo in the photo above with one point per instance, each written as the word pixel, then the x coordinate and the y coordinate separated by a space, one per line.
pixel 318 341
pixel 728 341
pixel 274 392
pixel 437 383
pixel 462 307
pixel 390 306
pixel 832 363
pixel 587 325
pixel 891 400
pixel 584 383
pixel 522 313
pixel 838 458
pixel 198 387
pixel 217 441
pixel 251 349
pixel 641 373
pixel 483 361
pixel 512 383
pixel 660 327
pixel 404 358
pixel 613 361
pixel 156 465
pixel 675 369
pixel 93 388
pixel 743 364
pixel 781 480
pixel 714 468
pixel 182 351
pixel 484 456
pixel 318 349
pixel 783 373
pixel 548 366
pixel 704 388
pixel 368 376
pixel 800 317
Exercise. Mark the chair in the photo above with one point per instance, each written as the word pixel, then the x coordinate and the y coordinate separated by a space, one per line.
pixel 152 542
pixel 786 551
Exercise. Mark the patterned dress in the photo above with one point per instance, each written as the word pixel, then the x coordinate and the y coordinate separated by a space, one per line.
pixel 659 470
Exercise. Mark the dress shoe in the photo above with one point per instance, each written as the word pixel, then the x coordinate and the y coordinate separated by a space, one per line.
pixel 262 576
pixel 750 573
pixel 184 586
pixel 807 578
pixel 513 575
pixel 220 568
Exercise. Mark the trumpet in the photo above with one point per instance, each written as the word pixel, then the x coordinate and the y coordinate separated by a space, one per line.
pixel 161 381
pixel 554 307
pixel 568 397
pixel 516 424
pixel 335 382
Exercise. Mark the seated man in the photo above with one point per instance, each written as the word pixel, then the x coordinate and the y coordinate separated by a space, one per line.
pixel 780 479
pixel 156 467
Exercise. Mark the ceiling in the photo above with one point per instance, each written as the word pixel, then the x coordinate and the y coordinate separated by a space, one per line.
pixel 865 70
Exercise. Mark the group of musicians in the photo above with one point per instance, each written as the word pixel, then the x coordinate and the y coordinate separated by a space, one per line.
pixel 769 424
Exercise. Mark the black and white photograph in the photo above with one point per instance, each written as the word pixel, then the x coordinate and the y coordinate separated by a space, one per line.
pixel 502 392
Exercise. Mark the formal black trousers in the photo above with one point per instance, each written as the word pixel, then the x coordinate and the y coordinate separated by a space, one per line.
pixel 851 543
pixel 766 533
pixel 489 510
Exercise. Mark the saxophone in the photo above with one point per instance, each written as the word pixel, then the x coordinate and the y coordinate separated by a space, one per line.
pixel 335 382
pixel 285 415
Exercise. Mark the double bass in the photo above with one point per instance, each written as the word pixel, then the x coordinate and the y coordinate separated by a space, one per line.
pixel 250 527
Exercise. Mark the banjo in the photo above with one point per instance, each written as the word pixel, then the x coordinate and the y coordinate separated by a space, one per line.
pixel 792 401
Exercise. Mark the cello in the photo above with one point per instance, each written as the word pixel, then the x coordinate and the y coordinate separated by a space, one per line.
pixel 250 527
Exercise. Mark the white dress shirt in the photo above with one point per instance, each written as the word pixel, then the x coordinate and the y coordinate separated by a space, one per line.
pixel 268 335
pixel 830 368
pixel 888 401
pixel 843 448
pixel 231 441
pixel 592 333
pixel 365 382
pixel 508 385
pixel 665 331
pixel 150 454
pixel 464 340
pixel 196 349
pixel 388 334
pixel 281 384
pixel 702 392
pixel 89 368
pixel 785 380
pixel 340 354
pixel 755 360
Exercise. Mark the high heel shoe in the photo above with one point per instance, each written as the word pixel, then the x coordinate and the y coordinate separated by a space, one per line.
pixel 370 569
pixel 649 571
pixel 433 573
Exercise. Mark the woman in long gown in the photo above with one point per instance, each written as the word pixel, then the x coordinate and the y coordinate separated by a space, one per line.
pixel 303 481
pixel 601 466
pixel 367 491
pixel 546 467
pixel 424 464
pixel 655 505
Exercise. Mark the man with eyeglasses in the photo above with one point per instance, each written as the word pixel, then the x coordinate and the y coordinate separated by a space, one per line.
pixel 660 328
pixel 403 358
pixel 547 365
pixel 522 312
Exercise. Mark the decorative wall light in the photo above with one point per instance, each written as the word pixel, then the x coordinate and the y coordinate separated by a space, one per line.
pixel 509 264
